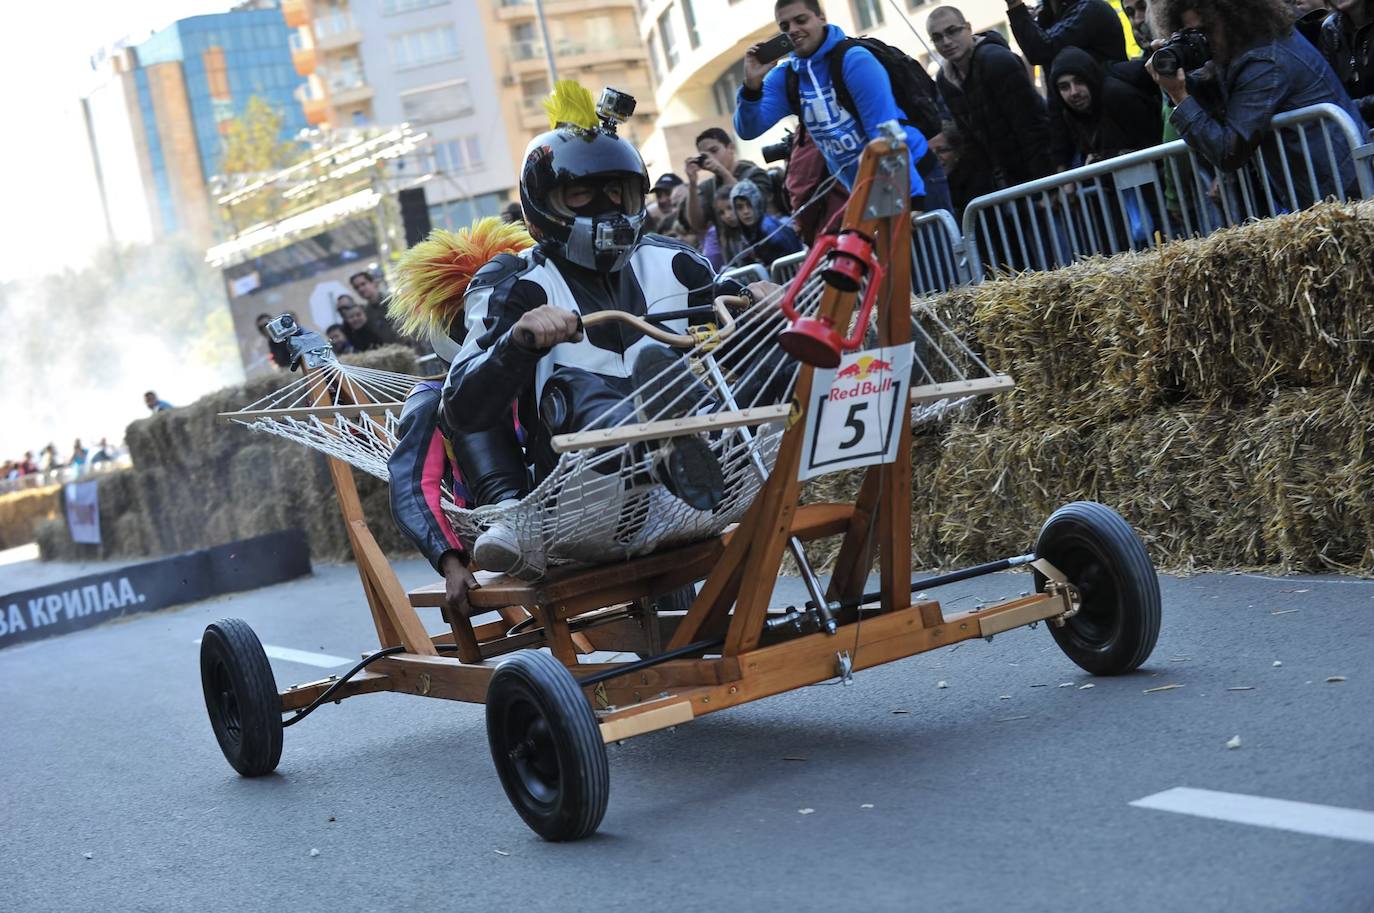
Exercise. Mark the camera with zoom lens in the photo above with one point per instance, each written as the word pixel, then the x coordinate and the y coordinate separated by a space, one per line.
pixel 1186 50
pixel 781 150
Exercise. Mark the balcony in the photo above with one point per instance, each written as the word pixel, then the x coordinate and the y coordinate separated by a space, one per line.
pixel 316 111
pixel 296 13
pixel 336 31
pixel 532 113
pixel 303 59
pixel 517 10
pixel 596 51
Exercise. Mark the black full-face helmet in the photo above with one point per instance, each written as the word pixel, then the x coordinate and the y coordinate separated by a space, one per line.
pixel 600 237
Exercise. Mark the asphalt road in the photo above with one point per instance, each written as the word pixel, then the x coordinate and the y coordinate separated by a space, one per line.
pixel 1002 790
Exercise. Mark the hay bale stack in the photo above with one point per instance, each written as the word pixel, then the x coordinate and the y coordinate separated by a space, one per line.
pixel 1313 452
pixel 1186 487
pixel 22 511
pixel 1220 320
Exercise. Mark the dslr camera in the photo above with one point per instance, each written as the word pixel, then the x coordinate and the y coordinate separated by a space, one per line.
pixel 781 150
pixel 1187 50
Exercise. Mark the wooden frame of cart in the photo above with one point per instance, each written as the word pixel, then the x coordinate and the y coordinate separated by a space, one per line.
pixel 549 714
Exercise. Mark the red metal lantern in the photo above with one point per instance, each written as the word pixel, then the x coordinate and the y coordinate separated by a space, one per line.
pixel 815 340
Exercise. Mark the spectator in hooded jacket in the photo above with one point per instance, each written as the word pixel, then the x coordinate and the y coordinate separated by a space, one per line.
pixel 840 134
pixel 1088 24
pixel 992 98
pixel 766 237
pixel 1346 38
pixel 1103 116
pixel 722 242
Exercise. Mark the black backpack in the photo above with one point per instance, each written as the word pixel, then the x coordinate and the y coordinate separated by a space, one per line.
pixel 912 88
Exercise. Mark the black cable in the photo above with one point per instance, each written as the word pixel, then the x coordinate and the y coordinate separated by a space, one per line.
pixel 343 679
pixel 699 647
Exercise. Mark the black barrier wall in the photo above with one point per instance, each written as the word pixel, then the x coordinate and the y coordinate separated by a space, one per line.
pixel 70 605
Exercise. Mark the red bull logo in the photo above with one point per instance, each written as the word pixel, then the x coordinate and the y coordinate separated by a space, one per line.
pixel 865 366
pixel 865 377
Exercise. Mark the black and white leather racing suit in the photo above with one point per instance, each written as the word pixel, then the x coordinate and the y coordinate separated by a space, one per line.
pixel 567 387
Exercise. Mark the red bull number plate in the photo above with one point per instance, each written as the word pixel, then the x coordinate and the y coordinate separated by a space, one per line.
pixel 855 411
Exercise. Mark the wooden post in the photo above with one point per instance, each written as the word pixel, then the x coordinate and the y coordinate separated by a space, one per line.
pixel 395 618
pixel 894 329
pixel 777 501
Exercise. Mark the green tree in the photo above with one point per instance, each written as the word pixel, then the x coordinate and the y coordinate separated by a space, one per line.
pixel 253 149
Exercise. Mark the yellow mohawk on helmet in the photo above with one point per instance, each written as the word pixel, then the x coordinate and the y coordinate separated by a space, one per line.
pixel 571 105
pixel 433 275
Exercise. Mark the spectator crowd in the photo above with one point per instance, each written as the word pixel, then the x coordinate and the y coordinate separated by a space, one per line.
pixel 1076 82
pixel 1062 92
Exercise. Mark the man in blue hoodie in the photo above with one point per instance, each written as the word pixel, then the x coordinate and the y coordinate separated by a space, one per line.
pixel 840 134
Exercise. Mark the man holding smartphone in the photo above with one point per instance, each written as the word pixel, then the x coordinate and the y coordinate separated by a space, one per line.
pixel 839 130
pixel 716 156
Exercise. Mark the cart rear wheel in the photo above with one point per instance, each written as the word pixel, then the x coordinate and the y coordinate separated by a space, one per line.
pixel 1117 624
pixel 547 746
pixel 241 697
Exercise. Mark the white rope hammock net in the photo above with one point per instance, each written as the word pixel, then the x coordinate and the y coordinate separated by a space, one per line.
pixel 603 505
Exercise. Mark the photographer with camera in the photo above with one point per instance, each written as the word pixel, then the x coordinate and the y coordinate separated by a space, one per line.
pixel 1229 67
pixel 716 155
pixel 843 93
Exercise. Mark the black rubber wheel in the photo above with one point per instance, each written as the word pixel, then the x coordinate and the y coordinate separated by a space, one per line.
pixel 1118 623
pixel 547 746
pixel 241 697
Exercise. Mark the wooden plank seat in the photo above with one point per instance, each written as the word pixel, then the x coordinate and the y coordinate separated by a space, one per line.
pixel 568 592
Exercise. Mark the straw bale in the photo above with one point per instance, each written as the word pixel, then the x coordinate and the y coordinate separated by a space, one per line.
pixel 1186 485
pixel 1220 320
pixel 22 511
pixel 1313 452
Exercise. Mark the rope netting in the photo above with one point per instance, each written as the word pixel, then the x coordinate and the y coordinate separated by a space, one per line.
pixel 608 502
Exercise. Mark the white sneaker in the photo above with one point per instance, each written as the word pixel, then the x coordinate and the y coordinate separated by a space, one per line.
pixel 498 549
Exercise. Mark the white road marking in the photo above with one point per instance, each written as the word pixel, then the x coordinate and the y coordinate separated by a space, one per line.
pixel 323 660
pixel 1281 814
pixel 1306 581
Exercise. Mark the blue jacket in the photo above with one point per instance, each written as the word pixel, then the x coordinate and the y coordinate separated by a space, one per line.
pixel 835 132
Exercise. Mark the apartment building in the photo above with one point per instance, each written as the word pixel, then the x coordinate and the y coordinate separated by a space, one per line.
pixel 472 74
pixel 158 109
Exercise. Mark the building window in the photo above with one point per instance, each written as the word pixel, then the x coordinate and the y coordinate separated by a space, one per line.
pixel 392 7
pixel 461 213
pixel 725 88
pixel 665 33
pixel 443 101
pixel 458 155
pixel 418 49
pixel 654 63
pixel 690 15
pixel 913 4
pixel 868 13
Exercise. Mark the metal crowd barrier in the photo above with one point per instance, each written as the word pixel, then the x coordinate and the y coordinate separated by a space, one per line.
pixel 940 260
pixel 784 268
pixel 1140 199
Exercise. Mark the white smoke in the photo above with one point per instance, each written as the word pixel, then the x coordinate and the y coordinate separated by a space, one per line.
pixel 81 347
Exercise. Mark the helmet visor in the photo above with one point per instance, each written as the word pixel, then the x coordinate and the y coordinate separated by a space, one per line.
pixel 599 195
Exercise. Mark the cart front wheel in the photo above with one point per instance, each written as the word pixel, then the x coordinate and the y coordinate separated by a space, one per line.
pixel 1117 624
pixel 547 746
pixel 241 697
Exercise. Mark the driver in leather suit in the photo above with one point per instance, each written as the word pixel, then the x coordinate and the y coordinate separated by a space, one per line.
pixel 583 190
